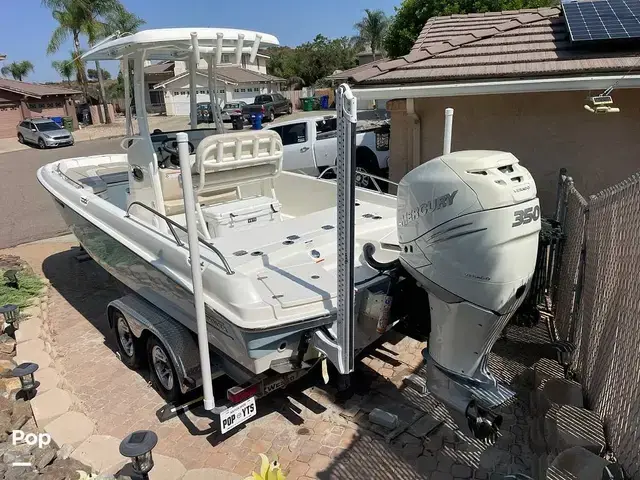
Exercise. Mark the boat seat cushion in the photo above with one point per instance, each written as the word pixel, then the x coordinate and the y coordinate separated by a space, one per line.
pixel 98 177
pixel 172 193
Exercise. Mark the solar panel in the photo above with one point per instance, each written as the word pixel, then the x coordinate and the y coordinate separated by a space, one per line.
pixel 602 19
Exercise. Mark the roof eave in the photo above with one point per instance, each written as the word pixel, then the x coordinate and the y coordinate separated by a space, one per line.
pixel 492 87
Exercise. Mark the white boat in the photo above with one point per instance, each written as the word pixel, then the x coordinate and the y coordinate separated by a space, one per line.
pixel 270 257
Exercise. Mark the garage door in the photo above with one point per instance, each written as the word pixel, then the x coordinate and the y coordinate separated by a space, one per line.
pixel 10 116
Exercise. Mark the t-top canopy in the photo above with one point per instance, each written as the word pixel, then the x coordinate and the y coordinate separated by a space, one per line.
pixel 175 43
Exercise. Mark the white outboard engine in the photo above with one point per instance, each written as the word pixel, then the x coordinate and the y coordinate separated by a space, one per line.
pixel 468 226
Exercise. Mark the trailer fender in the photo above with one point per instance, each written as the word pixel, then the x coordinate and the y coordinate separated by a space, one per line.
pixel 178 340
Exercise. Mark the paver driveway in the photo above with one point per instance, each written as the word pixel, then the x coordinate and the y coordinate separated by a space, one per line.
pixel 313 433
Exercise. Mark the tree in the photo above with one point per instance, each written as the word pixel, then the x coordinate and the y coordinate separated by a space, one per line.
pixel 81 17
pixel 372 29
pixel 18 70
pixel 121 21
pixel 312 61
pixel 411 16
pixel 66 68
pixel 92 74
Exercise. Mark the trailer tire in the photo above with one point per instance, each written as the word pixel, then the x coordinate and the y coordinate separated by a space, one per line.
pixel 162 371
pixel 128 345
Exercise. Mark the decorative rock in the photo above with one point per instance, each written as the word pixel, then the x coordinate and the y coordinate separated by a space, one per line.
pixel 65 451
pixel 101 453
pixel 384 419
pixel 49 405
pixel 48 378
pixel 9 385
pixel 63 469
pixel 5 426
pixel 6 366
pixel 209 474
pixel 17 453
pixel 567 426
pixel 577 462
pixel 72 428
pixel 43 457
pixel 21 473
pixel 7 344
pixel 38 356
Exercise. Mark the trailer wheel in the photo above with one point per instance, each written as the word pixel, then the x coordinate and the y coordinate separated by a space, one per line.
pixel 163 373
pixel 128 344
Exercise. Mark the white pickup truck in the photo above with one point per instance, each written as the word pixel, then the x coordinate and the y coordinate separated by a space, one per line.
pixel 310 146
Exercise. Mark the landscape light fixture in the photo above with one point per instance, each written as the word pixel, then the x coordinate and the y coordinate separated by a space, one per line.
pixel 28 383
pixel 10 313
pixel 138 446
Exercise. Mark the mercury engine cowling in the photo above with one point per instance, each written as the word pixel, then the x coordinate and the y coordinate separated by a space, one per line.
pixel 468 226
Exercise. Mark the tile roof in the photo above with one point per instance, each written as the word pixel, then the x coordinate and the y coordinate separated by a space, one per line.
pixel 160 67
pixel 36 90
pixel 346 74
pixel 519 43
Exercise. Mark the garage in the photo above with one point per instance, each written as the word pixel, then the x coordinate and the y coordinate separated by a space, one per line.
pixel 20 100
pixel 233 83
pixel 10 116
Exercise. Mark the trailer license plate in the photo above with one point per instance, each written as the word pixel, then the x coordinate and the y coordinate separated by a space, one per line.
pixel 237 415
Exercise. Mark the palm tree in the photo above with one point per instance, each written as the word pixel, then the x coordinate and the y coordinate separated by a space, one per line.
pixel 372 29
pixel 121 21
pixel 66 68
pixel 18 70
pixel 75 18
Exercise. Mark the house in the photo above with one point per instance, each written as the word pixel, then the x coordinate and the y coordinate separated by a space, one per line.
pixel 233 83
pixel 161 72
pixel 517 83
pixel 21 100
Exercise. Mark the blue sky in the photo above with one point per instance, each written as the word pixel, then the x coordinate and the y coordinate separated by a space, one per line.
pixel 291 21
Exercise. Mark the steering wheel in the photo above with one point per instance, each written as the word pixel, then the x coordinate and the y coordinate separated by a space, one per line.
pixel 173 149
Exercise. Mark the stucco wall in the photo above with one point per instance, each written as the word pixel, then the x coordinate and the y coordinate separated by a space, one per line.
pixel 546 131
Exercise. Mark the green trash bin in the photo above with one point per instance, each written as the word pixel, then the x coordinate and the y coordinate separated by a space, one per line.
pixel 67 122
pixel 307 104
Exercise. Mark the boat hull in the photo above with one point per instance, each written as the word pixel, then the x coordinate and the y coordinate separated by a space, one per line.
pixel 251 352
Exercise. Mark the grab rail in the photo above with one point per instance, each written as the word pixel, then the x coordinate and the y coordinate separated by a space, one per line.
pixel 370 175
pixel 172 225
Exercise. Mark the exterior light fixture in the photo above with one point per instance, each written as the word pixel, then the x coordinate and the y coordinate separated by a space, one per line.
pixel 28 383
pixel 11 313
pixel 138 446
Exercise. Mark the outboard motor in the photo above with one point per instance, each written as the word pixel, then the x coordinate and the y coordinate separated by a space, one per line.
pixel 468 226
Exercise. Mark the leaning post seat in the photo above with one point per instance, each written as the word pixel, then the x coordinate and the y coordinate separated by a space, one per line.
pixel 235 159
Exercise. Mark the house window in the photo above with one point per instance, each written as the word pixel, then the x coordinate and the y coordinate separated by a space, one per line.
pixel 243 90
pixel 236 90
pixel 226 58
pixel 221 90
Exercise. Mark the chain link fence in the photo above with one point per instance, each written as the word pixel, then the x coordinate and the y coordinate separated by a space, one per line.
pixel 597 306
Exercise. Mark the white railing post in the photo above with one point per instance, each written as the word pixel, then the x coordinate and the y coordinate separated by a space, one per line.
pixel 196 274
pixel 448 127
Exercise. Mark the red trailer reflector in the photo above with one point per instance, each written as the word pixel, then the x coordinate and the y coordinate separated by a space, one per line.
pixel 238 394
